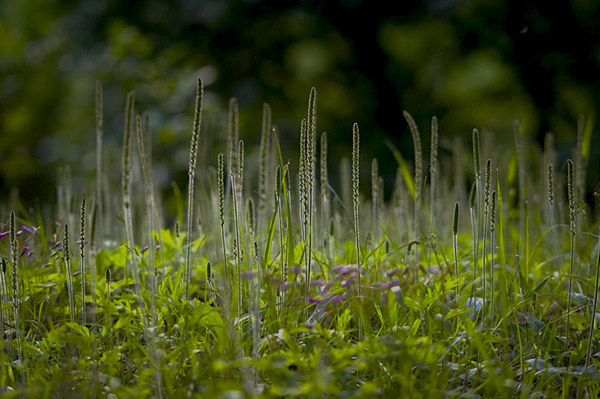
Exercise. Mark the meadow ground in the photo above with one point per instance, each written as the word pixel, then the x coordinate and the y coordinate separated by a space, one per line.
pixel 476 277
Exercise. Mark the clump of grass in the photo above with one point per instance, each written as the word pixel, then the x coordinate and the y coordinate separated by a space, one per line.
pixel 364 316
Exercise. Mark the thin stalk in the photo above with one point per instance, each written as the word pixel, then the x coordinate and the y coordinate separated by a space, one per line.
pixel 486 213
pixel 550 184
pixel 455 249
pixel 325 195
pixel 191 179
pixel 150 204
pixel 472 208
pixel 3 299
pixel 375 199
pixel 236 182
pixel 15 288
pixel 221 189
pixel 304 201
pixel 311 151
pixel 265 137
pixel 593 312
pixel 433 169
pixel 99 163
pixel 67 255
pixel 280 223
pixel 256 322
pixel 355 201
pixel 478 192
pixel 82 261
pixel 418 169
pixel 572 231
pixel 492 236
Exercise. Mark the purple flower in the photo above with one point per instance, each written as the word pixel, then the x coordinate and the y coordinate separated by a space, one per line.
pixel 27 229
pixel 391 272
pixel 337 298
pixel 338 269
pixel 56 252
pixel 24 250
pixel 345 283
pixel 274 279
pixel 317 283
pixel 4 234
pixel 310 326
pixel 394 283
pixel 285 287
pixel 311 299
pixel 56 245
pixel 249 275
pixel 144 250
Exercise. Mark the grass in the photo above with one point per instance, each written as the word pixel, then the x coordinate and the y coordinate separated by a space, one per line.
pixel 290 300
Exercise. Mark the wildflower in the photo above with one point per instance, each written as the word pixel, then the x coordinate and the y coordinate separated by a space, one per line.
pixel 394 283
pixel 24 250
pixel 249 275
pixel 391 272
pixel 285 287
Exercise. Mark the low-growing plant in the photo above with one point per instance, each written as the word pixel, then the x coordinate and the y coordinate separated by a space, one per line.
pixel 287 298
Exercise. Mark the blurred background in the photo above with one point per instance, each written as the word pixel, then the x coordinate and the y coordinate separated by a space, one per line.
pixel 479 63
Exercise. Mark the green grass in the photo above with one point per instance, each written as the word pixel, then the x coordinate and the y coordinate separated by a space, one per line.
pixel 314 294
